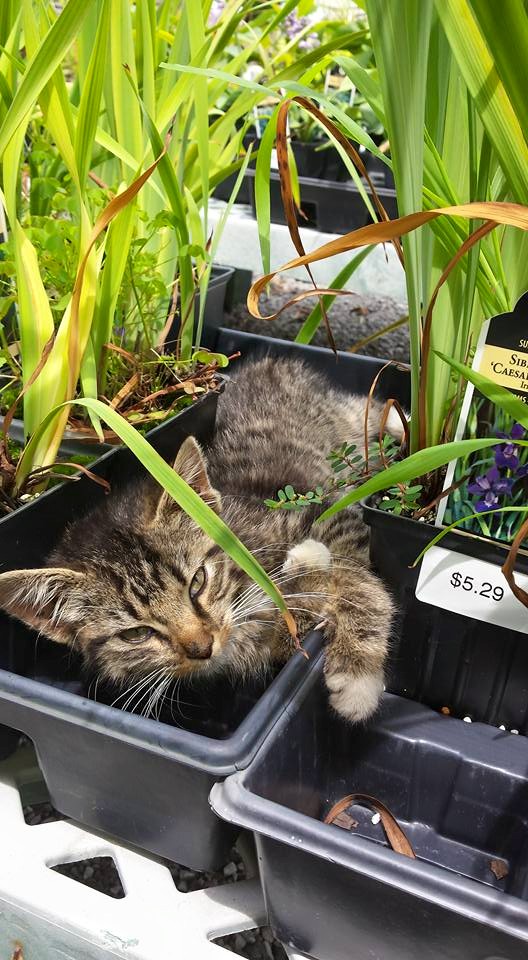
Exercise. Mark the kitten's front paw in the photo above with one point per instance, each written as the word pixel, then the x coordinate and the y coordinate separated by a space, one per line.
pixel 308 555
pixel 394 425
pixel 355 698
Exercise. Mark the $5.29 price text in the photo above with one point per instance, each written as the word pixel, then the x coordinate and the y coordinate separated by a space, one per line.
pixel 471 585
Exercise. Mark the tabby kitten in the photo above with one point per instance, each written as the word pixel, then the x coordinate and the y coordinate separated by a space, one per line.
pixel 144 595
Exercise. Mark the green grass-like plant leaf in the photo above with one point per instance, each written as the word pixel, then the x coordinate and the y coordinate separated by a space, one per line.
pixel 52 50
pixel 498 394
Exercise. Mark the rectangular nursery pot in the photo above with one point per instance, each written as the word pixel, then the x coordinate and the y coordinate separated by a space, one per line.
pixel 351 371
pixel 108 769
pixel 441 658
pixel 144 781
pixel 141 780
pixel 459 791
pixel 216 295
pixel 214 303
pixel 329 206
pixel 222 278
pixel 224 189
pixel 314 160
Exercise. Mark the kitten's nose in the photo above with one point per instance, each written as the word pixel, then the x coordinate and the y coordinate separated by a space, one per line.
pixel 200 649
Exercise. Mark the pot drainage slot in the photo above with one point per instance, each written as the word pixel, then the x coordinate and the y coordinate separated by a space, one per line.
pixel 256 944
pixel 188 880
pixel 99 873
pixel 37 813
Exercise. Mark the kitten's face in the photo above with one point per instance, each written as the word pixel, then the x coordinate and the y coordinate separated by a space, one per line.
pixel 153 596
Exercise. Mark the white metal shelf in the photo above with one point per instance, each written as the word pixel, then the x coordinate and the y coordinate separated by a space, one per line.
pixel 53 917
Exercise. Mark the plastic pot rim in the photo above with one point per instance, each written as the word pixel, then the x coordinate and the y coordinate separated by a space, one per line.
pixel 461 541
pixel 223 756
pixel 107 450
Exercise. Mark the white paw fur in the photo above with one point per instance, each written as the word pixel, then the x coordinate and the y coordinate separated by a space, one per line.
pixel 355 698
pixel 310 554
pixel 394 426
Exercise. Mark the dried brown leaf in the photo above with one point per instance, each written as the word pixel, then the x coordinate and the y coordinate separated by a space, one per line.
pixel 499 869
pixel 393 831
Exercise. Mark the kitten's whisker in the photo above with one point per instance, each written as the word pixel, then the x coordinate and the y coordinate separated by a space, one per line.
pixel 266 604
pixel 153 704
pixel 254 620
pixel 142 679
pixel 141 685
pixel 161 696
pixel 331 596
pixel 126 692
pixel 272 546
pixel 254 587
pixel 248 597
pixel 306 569
pixel 313 613
pixel 178 701
pixel 148 690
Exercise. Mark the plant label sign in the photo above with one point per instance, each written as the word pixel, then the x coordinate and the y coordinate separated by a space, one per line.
pixel 471 587
pixel 489 488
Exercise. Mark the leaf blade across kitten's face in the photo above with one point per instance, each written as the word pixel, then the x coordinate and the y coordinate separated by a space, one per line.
pixel 149 591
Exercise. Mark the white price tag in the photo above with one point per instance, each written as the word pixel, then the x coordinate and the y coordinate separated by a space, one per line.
pixel 274 163
pixel 474 588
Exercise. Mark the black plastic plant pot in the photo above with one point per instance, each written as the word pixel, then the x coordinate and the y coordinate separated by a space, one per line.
pixel 441 658
pixel 71 444
pixel 327 206
pixel 318 162
pixel 139 779
pixel 224 189
pixel 380 174
pixel 460 793
pixel 350 371
pixel 144 781
pixel 214 304
pixel 221 280
pixel 108 769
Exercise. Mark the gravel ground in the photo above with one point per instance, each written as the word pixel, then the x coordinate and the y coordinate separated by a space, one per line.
pixel 101 874
pixel 351 318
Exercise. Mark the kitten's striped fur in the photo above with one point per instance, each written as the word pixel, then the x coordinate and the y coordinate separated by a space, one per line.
pixel 130 564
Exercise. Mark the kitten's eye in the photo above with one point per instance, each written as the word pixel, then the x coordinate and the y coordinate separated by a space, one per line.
pixel 136 634
pixel 198 583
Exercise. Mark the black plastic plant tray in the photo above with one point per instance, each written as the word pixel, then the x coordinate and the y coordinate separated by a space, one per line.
pixel 224 189
pixel 328 206
pixel 441 658
pixel 314 160
pixel 350 371
pixel 460 792
pixel 221 279
pixel 143 781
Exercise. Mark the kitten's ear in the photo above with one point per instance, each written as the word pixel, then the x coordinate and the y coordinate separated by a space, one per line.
pixel 50 599
pixel 191 465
